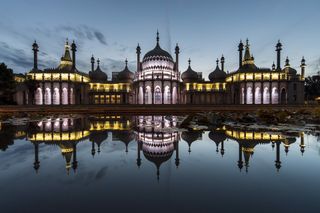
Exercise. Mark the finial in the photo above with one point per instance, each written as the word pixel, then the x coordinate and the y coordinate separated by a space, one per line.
pixel 126 61
pixel 67 42
pixel 189 61
pixel 247 42
pixel 287 61
pixel 98 61
pixel 273 66
pixel 217 61
pixel 157 37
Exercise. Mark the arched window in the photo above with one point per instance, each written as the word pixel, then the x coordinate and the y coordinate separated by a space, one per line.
pixel 275 95
pixel 266 96
pixel 140 95
pixel 148 97
pixel 56 96
pixel 64 96
pixel 257 94
pixel 71 96
pixel 249 95
pixel 157 96
pixel 38 97
pixel 242 95
pixel 174 95
pixel 47 96
pixel 167 95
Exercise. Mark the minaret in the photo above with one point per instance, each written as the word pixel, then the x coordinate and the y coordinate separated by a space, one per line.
pixel 240 49
pixel 222 62
pixel 278 50
pixel 278 162
pixel 93 150
pixel 302 146
pixel 35 49
pixel 303 68
pixel 92 63
pixel 139 156
pixel 74 159
pixel 222 149
pixel 177 51
pixel 74 50
pixel 177 160
pixel 36 164
pixel 240 161
pixel 138 58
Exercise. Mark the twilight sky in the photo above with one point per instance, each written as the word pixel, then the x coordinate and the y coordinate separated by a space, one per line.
pixel 204 29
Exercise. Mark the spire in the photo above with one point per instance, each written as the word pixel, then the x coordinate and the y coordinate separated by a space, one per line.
pixel 66 56
pixel 248 58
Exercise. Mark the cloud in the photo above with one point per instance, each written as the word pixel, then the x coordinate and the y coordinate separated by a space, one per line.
pixel 19 59
pixel 84 32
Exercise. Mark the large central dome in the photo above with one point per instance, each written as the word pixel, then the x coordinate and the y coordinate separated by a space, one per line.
pixel 157 59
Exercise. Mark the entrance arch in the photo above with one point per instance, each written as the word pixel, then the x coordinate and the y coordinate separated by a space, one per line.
pixel 283 96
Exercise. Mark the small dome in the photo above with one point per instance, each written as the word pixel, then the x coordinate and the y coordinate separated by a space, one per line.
pixel 189 75
pixel 288 69
pixel 126 74
pixel 98 75
pixel 217 75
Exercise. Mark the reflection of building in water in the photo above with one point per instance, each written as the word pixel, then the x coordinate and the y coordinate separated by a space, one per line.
pixel 157 139
pixel 218 137
pixel 156 136
pixel 191 136
pixel 67 132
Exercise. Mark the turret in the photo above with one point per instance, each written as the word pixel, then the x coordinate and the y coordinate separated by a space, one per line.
pixel 303 68
pixel 74 50
pixel 278 50
pixel 222 62
pixel 92 63
pixel 35 49
pixel 177 51
pixel 240 49
pixel 138 57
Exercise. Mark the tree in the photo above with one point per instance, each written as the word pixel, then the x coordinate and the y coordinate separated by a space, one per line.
pixel 312 87
pixel 7 85
pixel 32 85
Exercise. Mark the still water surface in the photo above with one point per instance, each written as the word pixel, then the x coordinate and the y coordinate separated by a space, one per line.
pixel 147 164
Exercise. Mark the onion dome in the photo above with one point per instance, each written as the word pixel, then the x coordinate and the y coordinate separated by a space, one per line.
pixel 217 137
pixel 217 75
pixel 287 144
pixel 288 69
pixel 190 137
pixel 189 75
pixel 98 75
pixel 158 152
pixel 35 46
pixel 126 75
pixel 157 53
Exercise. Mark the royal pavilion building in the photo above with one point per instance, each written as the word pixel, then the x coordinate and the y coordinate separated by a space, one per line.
pixel 158 81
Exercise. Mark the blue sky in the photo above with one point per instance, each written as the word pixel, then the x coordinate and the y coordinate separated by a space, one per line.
pixel 205 30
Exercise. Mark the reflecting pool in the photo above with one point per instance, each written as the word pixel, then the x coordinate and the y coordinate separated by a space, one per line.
pixel 147 164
